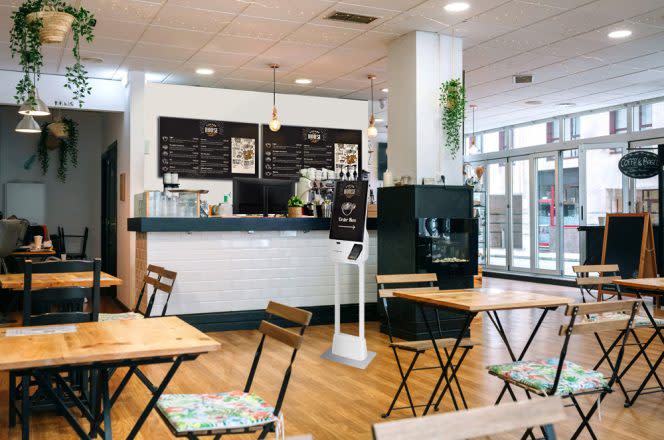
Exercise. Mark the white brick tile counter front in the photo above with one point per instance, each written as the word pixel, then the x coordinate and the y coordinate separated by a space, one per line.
pixel 227 271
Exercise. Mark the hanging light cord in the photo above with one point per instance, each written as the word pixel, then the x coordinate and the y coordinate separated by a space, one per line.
pixel 274 86
pixel 372 97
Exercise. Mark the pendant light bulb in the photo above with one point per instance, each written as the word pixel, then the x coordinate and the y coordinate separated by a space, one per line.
pixel 372 131
pixel 274 124
pixel 34 106
pixel 28 125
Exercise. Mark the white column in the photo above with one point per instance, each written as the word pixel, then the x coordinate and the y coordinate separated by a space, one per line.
pixel 418 63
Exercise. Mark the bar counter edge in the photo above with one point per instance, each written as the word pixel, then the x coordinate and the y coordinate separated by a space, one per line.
pixel 177 224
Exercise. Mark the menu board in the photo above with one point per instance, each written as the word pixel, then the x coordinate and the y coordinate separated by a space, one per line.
pixel 205 149
pixel 290 149
pixel 349 211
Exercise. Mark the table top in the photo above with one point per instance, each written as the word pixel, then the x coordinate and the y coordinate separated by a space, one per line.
pixel 483 300
pixel 643 283
pixel 103 342
pixel 14 281
pixel 29 253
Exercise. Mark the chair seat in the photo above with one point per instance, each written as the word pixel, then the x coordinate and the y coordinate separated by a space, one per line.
pixel 105 317
pixel 215 412
pixel 538 376
pixel 640 321
pixel 427 345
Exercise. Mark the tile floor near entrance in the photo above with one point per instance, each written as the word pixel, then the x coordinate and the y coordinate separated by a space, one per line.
pixel 332 401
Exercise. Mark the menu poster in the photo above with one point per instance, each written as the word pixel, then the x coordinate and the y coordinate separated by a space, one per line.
pixel 205 149
pixel 349 211
pixel 290 149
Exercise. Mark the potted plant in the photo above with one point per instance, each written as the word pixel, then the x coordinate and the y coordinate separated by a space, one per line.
pixel 61 136
pixel 452 107
pixel 38 22
pixel 295 205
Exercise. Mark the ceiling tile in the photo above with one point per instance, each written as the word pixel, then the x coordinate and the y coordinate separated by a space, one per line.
pixel 119 30
pixel 295 52
pixel 243 84
pixel 205 58
pixel 347 84
pixel 477 31
pixel 394 5
pixel 230 43
pixel 199 20
pixel 262 28
pixel 524 40
pixel 653 18
pixel 133 11
pixel 149 50
pixel 372 40
pixel 517 14
pixel 323 35
pixel 620 9
pixel 261 74
pixel 289 89
pixel 104 45
pixel 480 55
pixel 292 10
pixel 407 22
pixel 324 92
pixel 228 6
pixel 571 47
pixel 180 38
pixel 149 65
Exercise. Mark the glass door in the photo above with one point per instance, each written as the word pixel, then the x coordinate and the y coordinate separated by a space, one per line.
pixel 520 206
pixel 569 208
pixel 644 193
pixel 547 244
pixel 497 218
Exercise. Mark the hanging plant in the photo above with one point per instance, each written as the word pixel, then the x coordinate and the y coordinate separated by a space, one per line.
pixel 452 107
pixel 63 137
pixel 38 22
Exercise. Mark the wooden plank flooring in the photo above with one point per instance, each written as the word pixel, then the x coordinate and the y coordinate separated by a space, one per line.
pixel 332 401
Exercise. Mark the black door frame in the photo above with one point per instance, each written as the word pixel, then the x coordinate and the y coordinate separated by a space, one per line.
pixel 109 212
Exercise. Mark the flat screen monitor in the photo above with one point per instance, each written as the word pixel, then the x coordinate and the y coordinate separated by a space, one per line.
pixel 261 196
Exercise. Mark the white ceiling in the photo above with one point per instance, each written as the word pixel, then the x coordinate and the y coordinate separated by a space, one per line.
pixel 562 42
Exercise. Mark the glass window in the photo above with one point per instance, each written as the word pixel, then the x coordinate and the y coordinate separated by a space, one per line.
pixel 596 124
pixel 618 121
pixel 529 135
pixel 649 116
pixel 603 183
pixel 493 141
pixel 521 213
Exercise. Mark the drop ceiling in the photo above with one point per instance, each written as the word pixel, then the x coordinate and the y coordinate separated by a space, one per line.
pixel 563 43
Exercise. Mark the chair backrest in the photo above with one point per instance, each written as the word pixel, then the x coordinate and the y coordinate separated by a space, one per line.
pixel 477 422
pixel 11 235
pixel 61 298
pixel 155 280
pixel 581 322
pixel 606 274
pixel 82 239
pixel 297 317
pixel 407 279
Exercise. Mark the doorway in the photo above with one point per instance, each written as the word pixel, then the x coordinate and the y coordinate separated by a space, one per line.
pixel 109 213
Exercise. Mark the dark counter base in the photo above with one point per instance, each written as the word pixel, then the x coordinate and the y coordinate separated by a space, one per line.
pixel 174 224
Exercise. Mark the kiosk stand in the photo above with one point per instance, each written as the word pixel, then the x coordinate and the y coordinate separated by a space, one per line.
pixel 349 244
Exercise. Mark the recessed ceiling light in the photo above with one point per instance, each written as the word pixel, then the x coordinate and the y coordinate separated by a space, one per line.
pixel 533 102
pixel 457 7
pixel 566 104
pixel 621 33
pixel 303 81
pixel 204 71
pixel 385 90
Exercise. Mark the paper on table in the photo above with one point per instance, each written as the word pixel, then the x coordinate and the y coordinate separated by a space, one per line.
pixel 41 331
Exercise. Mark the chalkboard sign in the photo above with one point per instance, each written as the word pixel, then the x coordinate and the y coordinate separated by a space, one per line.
pixel 205 149
pixel 290 149
pixel 349 211
pixel 629 243
pixel 639 164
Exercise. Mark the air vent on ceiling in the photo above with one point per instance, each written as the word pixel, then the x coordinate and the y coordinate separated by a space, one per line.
pixel 353 18
pixel 523 79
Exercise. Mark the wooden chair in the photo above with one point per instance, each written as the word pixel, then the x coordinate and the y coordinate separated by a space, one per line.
pixel 606 274
pixel 418 347
pixel 153 279
pixel 477 422
pixel 559 377
pixel 237 412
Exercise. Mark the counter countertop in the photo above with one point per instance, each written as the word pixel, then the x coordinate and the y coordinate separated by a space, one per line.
pixel 174 224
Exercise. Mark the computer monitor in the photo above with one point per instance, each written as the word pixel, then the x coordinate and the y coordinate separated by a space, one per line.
pixel 261 196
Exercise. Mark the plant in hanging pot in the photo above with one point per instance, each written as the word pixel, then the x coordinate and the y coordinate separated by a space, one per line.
pixel 38 22
pixel 60 136
pixel 295 207
pixel 452 107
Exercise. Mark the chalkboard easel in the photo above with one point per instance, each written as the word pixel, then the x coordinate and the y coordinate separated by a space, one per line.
pixel 629 242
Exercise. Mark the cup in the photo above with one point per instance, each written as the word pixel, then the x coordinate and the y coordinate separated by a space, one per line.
pixel 601 220
pixel 168 178
pixel 38 241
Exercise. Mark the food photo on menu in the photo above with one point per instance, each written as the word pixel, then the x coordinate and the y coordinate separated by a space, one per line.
pixel 243 153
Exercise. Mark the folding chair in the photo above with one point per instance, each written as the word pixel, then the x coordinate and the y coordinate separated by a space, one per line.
pixel 606 274
pixel 559 377
pixel 477 422
pixel 418 347
pixel 82 239
pixel 237 412
pixel 155 279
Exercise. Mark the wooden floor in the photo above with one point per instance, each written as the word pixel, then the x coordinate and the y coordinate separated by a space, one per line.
pixel 333 401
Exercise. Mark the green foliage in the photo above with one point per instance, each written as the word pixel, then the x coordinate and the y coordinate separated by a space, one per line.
pixel 24 43
pixel 452 107
pixel 67 149
pixel 295 202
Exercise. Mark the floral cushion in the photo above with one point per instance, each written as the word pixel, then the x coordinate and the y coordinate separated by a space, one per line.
pixel 210 412
pixel 639 320
pixel 104 317
pixel 539 376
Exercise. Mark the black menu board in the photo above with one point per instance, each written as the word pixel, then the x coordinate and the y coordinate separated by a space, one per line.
pixel 205 149
pixel 290 149
pixel 349 211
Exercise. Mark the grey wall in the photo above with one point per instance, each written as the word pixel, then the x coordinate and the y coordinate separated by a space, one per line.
pixel 75 203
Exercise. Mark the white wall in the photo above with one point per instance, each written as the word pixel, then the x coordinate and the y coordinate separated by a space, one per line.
pixel 236 106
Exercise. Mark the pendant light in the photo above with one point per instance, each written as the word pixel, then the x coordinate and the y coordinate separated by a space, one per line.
pixel 34 106
pixel 372 131
pixel 28 125
pixel 472 147
pixel 275 125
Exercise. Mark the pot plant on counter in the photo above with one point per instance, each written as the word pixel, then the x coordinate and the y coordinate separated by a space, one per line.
pixel 38 22
pixel 452 108
pixel 295 207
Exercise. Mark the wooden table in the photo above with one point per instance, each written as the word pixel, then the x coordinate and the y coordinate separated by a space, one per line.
pixel 470 302
pixel 29 254
pixel 645 287
pixel 101 347
pixel 14 281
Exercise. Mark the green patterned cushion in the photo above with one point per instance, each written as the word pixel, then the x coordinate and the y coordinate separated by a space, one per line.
pixel 539 376
pixel 210 412
pixel 639 320
pixel 104 317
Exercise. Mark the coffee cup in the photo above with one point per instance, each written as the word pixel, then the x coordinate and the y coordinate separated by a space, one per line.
pixel 38 241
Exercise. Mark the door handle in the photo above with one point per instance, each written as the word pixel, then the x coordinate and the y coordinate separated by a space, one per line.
pixel 581 212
